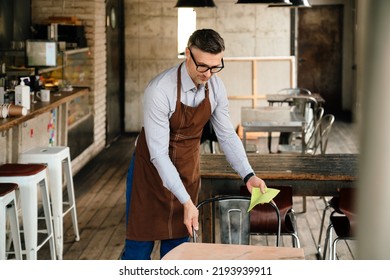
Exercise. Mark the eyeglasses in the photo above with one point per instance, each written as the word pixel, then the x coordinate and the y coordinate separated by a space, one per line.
pixel 204 68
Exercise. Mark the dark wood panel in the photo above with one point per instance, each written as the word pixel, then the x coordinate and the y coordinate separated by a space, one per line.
pixel 320 53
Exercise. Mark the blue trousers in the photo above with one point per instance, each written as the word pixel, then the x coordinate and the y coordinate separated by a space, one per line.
pixel 141 250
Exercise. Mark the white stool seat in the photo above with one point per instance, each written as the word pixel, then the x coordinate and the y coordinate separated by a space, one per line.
pixel 29 177
pixel 8 206
pixel 58 163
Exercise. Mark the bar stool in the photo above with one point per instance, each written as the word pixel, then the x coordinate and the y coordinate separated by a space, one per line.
pixel 8 206
pixel 29 177
pixel 58 162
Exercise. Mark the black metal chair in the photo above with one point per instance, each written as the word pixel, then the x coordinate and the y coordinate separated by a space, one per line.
pixel 229 220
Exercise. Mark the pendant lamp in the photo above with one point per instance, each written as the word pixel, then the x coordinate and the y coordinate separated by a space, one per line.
pixel 295 4
pixel 274 2
pixel 195 4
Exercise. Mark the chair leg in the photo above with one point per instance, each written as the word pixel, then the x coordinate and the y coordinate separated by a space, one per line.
pixel 295 241
pixel 332 252
pixel 321 230
pixel 328 240
pixel 294 235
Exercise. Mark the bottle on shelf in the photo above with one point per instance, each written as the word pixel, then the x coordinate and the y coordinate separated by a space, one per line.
pixel 22 94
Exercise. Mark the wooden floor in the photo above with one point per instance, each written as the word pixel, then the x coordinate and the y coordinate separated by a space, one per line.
pixel 100 196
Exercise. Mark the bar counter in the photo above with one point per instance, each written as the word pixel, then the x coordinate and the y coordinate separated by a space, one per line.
pixel 56 100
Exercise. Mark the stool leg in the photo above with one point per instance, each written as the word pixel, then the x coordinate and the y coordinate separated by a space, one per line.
pixel 48 216
pixel 2 233
pixel 14 223
pixel 29 201
pixel 55 185
pixel 71 197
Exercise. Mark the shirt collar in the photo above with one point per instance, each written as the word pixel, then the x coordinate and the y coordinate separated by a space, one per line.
pixel 186 81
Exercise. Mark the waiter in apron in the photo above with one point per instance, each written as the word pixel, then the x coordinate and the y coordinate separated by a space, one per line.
pixel 164 178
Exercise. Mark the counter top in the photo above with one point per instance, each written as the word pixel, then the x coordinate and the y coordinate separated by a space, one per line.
pixel 56 99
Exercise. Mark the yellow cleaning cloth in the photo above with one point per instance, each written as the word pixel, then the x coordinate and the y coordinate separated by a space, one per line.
pixel 258 197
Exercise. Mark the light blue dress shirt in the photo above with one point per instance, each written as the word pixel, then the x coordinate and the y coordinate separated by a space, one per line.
pixel 159 105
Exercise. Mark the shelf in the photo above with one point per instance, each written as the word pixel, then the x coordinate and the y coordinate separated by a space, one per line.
pixel 75 51
pixel 50 69
pixel 78 122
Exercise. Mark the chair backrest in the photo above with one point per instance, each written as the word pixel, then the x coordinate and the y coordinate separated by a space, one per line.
pixel 302 103
pixel 208 133
pixel 263 218
pixel 312 133
pixel 325 129
pixel 229 215
pixel 234 221
pixel 294 91
pixel 347 199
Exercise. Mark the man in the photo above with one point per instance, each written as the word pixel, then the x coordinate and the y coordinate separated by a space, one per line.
pixel 164 178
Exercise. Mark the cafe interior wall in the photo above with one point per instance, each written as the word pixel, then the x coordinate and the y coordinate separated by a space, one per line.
pixel 251 30
pixel 92 15
pixel 151 46
pixel 151 41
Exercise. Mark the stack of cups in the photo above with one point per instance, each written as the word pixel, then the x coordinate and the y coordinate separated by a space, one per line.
pixel 11 110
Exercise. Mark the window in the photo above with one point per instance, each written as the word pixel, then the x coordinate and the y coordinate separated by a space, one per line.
pixel 186 25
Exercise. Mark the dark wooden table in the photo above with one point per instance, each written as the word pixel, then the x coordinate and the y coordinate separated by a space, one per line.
pixel 319 175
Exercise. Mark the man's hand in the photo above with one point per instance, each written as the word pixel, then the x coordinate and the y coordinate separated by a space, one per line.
pixel 256 182
pixel 191 214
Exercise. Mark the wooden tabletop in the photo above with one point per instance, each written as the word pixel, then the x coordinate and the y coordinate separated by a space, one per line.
pixel 211 251
pixel 292 166
pixel 56 99
pixel 308 175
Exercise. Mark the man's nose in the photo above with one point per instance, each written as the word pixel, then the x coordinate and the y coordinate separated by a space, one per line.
pixel 208 73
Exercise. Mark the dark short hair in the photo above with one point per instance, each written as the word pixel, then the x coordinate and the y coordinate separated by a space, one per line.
pixel 207 40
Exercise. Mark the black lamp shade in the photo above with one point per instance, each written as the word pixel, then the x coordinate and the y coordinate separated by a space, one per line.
pixel 275 2
pixel 195 4
pixel 295 4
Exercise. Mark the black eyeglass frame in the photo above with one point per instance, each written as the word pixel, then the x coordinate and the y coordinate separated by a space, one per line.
pixel 213 69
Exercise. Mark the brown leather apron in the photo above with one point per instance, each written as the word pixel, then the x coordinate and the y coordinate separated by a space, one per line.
pixel 155 213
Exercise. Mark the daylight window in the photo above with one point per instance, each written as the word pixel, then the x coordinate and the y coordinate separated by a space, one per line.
pixel 186 25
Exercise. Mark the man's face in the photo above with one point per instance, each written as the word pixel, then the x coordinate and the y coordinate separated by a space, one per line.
pixel 203 60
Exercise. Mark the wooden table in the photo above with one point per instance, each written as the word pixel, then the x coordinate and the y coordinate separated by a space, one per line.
pixel 273 119
pixel 211 251
pixel 319 175
pixel 280 98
